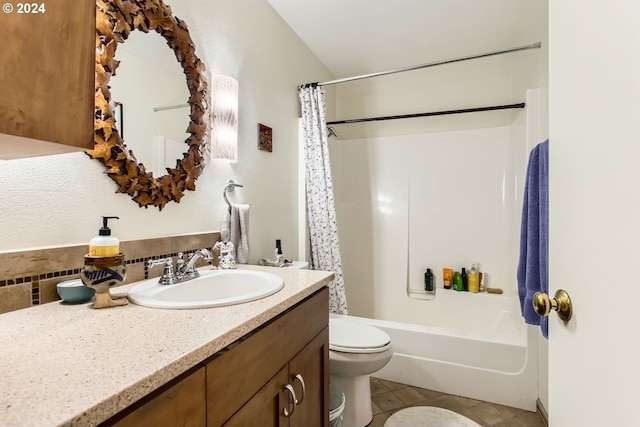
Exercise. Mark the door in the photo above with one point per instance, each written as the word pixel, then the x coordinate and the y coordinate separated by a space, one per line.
pixel 594 206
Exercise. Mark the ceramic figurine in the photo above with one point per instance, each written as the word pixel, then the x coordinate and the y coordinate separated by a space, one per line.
pixel 101 273
pixel 227 258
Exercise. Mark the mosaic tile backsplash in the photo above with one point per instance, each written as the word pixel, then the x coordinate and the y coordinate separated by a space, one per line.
pixel 30 277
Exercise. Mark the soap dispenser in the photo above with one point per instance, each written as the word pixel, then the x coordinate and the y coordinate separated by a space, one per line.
pixel 104 244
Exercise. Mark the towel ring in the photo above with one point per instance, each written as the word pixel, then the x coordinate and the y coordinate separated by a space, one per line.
pixel 230 187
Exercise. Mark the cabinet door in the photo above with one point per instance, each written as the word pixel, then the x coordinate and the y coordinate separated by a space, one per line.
pixel 312 366
pixel 238 373
pixel 265 408
pixel 47 77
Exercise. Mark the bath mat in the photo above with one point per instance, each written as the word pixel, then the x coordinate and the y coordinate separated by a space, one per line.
pixel 428 416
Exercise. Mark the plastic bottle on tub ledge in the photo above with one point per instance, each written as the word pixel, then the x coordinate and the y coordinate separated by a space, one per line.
pixel 473 279
pixel 457 282
pixel 429 282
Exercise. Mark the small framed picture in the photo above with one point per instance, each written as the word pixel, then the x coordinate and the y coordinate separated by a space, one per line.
pixel 265 138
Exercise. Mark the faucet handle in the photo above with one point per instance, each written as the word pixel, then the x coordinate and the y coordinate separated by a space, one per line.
pixel 180 261
pixel 168 276
pixel 160 261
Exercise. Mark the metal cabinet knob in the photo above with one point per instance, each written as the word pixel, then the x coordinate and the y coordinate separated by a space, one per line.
pixel 543 305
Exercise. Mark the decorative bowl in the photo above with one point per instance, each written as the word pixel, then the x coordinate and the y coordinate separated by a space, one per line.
pixel 74 291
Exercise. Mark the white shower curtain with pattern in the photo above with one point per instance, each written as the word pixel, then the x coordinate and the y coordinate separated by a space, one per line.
pixel 321 211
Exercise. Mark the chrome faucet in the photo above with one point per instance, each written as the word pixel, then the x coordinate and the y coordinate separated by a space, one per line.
pixel 188 270
pixel 184 271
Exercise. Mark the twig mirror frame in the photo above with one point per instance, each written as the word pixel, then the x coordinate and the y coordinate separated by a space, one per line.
pixel 115 19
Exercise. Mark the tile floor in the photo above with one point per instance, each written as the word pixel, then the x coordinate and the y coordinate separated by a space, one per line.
pixel 388 397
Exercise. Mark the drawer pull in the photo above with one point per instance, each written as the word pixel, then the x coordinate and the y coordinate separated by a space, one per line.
pixel 299 378
pixel 292 392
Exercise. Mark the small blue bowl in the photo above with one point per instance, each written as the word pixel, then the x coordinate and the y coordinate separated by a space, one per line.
pixel 74 291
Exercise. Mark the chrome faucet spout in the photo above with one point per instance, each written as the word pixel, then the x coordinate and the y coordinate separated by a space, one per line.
pixel 183 271
pixel 189 269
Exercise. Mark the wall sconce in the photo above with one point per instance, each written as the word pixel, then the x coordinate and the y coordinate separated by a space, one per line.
pixel 224 124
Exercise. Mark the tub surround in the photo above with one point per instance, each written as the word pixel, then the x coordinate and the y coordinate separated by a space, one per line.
pixel 72 365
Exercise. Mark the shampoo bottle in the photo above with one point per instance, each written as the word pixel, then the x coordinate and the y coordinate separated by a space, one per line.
pixel 104 244
pixel 473 279
pixel 429 285
pixel 457 282
pixel 447 277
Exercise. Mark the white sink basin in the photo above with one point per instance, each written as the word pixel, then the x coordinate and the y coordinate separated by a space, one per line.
pixel 214 288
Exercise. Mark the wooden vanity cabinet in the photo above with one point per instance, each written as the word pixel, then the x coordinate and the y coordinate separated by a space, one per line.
pixel 246 385
pixel 182 402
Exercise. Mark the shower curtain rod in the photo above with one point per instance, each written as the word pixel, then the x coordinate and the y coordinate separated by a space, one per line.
pixel 431 64
pixel 433 113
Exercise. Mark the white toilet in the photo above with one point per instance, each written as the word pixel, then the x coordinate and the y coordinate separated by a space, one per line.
pixel 356 350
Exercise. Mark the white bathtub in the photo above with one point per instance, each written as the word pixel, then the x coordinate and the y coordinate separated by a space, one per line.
pixel 493 358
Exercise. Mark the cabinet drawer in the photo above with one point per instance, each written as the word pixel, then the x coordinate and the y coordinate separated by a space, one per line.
pixel 236 374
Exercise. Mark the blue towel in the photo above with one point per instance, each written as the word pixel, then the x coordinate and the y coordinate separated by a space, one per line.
pixel 533 266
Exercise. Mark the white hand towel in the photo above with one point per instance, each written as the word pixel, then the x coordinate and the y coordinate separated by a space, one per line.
pixel 235 228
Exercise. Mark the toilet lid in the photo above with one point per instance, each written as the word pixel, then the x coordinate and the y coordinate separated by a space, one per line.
pixel 349 336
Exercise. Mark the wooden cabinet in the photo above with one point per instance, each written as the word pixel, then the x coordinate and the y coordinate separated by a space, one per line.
pixel 265 408
pixel 312 364
pixel 47 80
pixel 180 403
pixel 308 378
pixel 245 384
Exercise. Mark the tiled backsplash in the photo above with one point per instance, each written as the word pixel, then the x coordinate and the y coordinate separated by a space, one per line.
pixel 29 277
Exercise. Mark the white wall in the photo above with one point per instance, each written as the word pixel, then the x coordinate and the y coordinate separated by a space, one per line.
pixel 58 200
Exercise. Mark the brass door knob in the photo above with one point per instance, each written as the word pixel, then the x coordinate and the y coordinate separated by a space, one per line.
pixel 543 305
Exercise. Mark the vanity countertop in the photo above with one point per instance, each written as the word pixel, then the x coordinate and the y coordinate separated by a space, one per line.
pixel 72 365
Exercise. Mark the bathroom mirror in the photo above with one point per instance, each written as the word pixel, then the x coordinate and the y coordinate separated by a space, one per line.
pixel 115 21
pixel 152 122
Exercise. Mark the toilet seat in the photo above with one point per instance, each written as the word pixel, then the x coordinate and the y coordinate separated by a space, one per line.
pixel 348 336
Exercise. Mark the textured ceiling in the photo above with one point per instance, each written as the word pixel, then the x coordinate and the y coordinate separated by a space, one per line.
pixel 353 37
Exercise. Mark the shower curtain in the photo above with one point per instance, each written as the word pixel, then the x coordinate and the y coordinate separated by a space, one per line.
pixel 321 211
